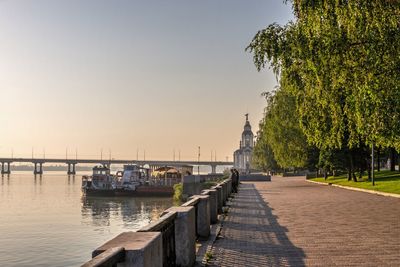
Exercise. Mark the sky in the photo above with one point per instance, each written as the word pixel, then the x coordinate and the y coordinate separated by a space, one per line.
pixel 130 78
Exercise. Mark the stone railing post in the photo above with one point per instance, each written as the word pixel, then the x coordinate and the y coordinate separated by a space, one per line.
pixel 142 249
pixel 225 192
pixel 220 203
pixel 229 187
pixel 212 193
pixel 203 216
pixel 185 235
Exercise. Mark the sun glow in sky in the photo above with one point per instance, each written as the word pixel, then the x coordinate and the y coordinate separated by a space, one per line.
pixel 154 76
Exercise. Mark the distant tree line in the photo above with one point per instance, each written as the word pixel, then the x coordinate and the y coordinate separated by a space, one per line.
pixel 338 67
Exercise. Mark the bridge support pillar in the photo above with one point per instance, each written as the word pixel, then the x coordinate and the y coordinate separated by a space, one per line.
pixel 71 168
pixel 38 168
pixel 213 169
pixel 5 168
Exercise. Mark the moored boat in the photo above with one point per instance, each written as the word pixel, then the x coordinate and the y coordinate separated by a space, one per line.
pixel 132 181
pixel 101 182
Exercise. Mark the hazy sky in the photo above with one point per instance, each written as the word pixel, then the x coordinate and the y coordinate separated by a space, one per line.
pixel 130 75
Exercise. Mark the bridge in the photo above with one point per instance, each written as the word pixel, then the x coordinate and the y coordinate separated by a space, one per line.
pixel 71 163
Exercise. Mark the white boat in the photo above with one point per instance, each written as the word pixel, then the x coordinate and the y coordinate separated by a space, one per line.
pixel 131 177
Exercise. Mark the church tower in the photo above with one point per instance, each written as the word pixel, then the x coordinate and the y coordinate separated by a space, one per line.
pixel 247 135
pixel 242 156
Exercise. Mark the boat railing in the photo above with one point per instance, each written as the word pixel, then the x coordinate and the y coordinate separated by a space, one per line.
pixel 166 225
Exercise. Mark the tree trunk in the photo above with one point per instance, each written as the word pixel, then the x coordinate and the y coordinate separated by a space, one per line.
pixel 392 159
pixel 378 157
pixel 354 177
pixel 325 174
pixel 352 174
pixel 350 166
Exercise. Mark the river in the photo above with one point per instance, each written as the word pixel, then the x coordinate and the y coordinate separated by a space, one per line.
pixel 45 221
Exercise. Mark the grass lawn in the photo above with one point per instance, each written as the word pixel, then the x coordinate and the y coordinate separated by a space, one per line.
pixel 385 181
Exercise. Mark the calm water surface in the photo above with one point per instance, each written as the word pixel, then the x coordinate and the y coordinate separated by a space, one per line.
pixel 45 221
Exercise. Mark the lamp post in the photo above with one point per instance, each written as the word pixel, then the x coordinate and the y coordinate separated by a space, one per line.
pixel 198 162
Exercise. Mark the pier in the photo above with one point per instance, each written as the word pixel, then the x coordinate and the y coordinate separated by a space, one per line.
pixel 71 163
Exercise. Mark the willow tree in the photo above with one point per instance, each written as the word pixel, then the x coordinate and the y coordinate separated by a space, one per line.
pixel 280 141
pixel 282 130
pixel 263 157
pixel 341 61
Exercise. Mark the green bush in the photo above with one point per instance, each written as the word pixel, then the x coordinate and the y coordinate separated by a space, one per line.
pixel 178 191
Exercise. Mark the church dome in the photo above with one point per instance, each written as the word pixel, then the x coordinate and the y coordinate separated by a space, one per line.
pixel 247 127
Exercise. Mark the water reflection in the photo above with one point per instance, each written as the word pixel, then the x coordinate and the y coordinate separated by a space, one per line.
pixel 5 177
pixel 49 211
pixel 71 179
pixel 133 211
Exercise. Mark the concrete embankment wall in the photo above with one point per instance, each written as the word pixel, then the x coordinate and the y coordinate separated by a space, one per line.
pixel 194 184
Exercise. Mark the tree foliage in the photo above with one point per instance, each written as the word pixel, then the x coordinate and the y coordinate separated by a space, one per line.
pixel 263 157
pixel 285 137
pixel 280 141
pixel 340 60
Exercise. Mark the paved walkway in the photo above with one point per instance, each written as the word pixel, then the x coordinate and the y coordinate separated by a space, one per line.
pixel 290 222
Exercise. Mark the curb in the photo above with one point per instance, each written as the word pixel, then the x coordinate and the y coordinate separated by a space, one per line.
pixel 357 189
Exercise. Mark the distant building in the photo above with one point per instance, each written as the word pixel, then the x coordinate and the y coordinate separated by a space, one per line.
pixel 242 156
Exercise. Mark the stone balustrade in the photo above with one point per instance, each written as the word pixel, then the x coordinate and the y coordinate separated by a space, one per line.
pixel 170 240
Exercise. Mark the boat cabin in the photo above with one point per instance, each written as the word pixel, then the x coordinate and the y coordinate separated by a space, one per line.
pixel 100 179
pixel 167 172
pixel 101 170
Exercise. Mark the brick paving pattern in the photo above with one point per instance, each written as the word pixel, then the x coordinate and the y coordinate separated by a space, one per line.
pixel 290 222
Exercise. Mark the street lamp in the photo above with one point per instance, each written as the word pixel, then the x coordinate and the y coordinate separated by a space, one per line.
pixel 198 162
pixel 372 165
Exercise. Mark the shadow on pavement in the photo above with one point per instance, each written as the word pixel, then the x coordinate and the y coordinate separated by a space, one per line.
pixel 252 236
